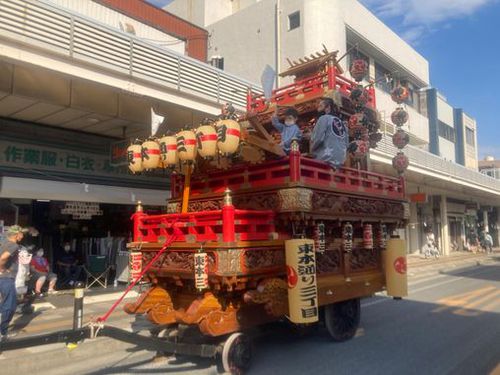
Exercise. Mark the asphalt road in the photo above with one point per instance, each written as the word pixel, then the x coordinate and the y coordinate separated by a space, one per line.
pixel 450 324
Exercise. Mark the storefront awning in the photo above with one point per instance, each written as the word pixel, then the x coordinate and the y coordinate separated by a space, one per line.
pixel 29 188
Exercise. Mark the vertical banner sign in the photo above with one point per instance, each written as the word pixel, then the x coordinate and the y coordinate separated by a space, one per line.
pixel 135 265
pixel 302 282
pixel 201 271
pixel 395 268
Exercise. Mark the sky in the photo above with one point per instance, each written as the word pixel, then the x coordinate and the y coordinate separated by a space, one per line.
pixel 461 41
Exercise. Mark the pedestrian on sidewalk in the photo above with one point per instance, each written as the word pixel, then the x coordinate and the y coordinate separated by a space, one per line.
pixel 488 243
pixel 40 270
pixel 9 249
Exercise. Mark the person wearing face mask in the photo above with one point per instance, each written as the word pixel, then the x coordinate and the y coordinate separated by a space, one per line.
pixel 330 138
pixel 40 271
pixel 68 266
pixel 288 130
pixel 9 252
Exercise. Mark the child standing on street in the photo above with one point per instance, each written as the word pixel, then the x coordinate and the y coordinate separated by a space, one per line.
pixel 289 130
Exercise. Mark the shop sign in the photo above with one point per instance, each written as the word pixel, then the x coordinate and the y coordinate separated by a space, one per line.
pixel 33 157
pixel 418 198
pixel 82 210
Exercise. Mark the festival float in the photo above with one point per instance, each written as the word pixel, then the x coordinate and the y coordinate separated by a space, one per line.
pixel 252 235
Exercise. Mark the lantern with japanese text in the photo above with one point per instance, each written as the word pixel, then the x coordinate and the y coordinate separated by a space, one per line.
pixel 168 150
pixel 381 236
pixel 228 135
pixel 359 96
pixel 359 69
pixel 186 145
pixel 367 236
pixel 134 157
pixel 347 237
pixel 135 265
pixel 302 281
pixel 319 238
pixel 207 141
pixel 201 270
pixel 150 154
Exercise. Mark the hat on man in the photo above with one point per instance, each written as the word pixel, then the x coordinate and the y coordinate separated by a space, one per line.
pixel 15 229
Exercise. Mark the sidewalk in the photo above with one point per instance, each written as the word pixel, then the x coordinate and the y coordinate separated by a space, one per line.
pixel 457 257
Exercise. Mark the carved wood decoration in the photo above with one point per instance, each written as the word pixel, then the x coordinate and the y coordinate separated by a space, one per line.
pixel 341 205
pixel 329 262
pixel 179 261
pixel 362 259
pixel 273 294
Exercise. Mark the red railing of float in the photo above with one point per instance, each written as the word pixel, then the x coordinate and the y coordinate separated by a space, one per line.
pixel 310 87
pixel 301 170
pixel 203 226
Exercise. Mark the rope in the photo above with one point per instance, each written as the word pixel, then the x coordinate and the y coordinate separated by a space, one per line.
pixel 104 317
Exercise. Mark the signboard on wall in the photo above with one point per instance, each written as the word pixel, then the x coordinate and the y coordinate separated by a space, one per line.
pixel 47 158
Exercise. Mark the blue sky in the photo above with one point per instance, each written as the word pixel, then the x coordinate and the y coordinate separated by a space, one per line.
pixel 461 41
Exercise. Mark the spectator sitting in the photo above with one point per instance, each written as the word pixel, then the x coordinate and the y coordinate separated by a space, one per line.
pixel 41 273
pixel 68 266
pixel 288 130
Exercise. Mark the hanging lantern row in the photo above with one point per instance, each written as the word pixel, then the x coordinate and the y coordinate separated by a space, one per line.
pixel 400 139
pixel 166 152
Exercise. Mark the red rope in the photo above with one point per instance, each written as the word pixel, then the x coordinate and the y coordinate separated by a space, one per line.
pixel 134 282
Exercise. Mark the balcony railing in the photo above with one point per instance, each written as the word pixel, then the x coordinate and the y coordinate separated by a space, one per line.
pixel 50 28
pixel 424 159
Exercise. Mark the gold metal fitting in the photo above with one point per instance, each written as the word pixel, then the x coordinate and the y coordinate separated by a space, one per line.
pixel 138 208
pixel 228 200
pixel 294 146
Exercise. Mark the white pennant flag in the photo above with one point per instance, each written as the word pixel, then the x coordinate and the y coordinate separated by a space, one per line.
pixel 156 121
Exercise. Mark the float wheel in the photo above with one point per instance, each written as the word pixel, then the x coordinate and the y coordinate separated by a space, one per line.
pixel 342 319
pixel 236 354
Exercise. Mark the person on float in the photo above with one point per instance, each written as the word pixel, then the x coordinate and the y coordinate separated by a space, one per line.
pixel 289 130
pixel 330 137
pixel 40 271
pixel 9 251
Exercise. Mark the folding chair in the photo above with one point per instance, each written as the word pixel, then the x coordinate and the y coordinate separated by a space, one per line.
pixel 97 271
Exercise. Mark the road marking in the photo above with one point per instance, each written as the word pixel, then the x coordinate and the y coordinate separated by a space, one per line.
pixel 43 306
pixel 466 310
pixel 462 299
pixel 108 297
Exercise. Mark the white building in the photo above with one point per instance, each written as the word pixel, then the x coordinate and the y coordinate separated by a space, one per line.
pixel 246 35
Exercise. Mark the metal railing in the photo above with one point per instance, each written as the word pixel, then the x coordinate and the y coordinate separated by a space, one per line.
pixel 77 37
pixel 424 159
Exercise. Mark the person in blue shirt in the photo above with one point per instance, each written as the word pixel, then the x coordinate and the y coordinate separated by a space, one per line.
pixel 288 130
pixel 330 137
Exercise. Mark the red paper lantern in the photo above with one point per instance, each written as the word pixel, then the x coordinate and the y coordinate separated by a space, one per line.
pixel 359 96
pixel 400 162
pixel 359 69
pixel 358 149
pixel 400 94
pixel 357 119
pixel 358 132
pixel 399 117
pixel 400 139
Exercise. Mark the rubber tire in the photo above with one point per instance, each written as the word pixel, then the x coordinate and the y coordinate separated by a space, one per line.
pixel 236 354
pixel 342 319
